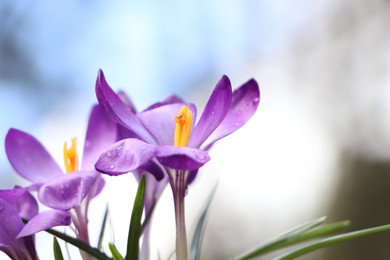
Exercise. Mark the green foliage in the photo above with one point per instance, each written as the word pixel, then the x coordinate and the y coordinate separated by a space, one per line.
pixel 135 229
pixel 115 253
pixel 57 250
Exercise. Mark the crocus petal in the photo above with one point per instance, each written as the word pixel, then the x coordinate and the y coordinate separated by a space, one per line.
pixel 101 133
pixel 168 100
pixel 127 101
pixel 10 223
pixel 24 203
pixel 161 121
pixel 68 191
pixel 118 110
pixel 29 158
pixel 215 111
pixel 245 101
pixel 182 158
pixel 45 220
pixel 125 156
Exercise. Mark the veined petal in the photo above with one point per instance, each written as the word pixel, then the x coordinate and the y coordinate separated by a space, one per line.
pixel 215 111
pixel 125 156
pixel 68 191
pixel 101 133
pixel 182 158
pixel 29 158
pixel 45 220
pixel 160 121
pixel 245 101
pixel 118 110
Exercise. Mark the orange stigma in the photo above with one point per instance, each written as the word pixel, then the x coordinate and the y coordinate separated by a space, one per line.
pixel 70 156
pixel 183 129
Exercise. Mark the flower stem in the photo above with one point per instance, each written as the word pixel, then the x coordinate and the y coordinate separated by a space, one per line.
pixel 179 187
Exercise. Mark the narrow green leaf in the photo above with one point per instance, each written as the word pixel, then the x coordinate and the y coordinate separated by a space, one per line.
pixel 196 242
pixel 332 240
pixel 57 250
pixel 79 244
pixel 102 229
pixel 135 222
pixel 302 233
pixel 115 253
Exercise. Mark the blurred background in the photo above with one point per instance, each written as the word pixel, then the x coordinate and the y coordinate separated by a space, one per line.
pixel 319 144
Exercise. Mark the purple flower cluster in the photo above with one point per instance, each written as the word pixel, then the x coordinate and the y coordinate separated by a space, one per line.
pixel 165 142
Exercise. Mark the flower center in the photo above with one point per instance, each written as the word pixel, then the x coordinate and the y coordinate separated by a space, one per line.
pixel 70 156
pixel 183 129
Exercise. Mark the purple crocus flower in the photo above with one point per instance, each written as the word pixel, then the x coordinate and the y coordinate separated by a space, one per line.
pixel 67 193
pixel 16 204
pixel 167 136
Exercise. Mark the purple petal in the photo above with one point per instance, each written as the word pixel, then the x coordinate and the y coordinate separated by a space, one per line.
pixel 168 100
pixel 154 168
pixel 245 101
pixel 45 220
pixel 161 121
pixel 29 158
pixel 118 110
pixel 125 156
pixel 127 101
pixel 22 201
pixel 215 111
pixel 68 191
pixel 182 158
pixel 10 223
pixel 101 133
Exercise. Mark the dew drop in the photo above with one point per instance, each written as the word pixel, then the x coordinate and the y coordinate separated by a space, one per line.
pixel 109 154
pixel 239 113
pixel 212 112
pixel 112 166
pixel 237 124
pixel 201 156
pixel 255 101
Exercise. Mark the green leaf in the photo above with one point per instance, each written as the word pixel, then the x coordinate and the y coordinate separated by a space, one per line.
pixel 135 222
pixel 57 250
pixel 299 234
pixel 79 244
pixel 102 228
pixel 115 253
pixel 332 240
pixel 196 242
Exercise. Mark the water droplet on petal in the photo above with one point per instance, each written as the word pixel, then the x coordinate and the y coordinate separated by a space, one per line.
pixel 237 124
pixel 112 166
pixel 212 112
pixel 201 156
pixel 255 101
pixel 109 154
pixel 239 113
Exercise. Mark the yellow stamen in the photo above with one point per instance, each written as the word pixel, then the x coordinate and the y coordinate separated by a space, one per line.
pixel 70 156
pixel 183 129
